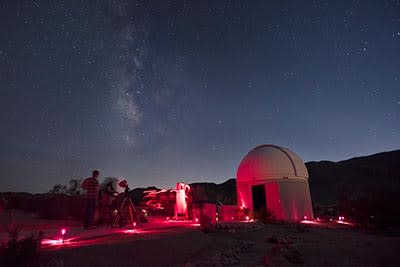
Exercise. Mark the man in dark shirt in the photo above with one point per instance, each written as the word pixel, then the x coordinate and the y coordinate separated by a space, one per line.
pixel 91 186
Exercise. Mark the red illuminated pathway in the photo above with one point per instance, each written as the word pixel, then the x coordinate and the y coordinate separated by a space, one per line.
pixel 76 237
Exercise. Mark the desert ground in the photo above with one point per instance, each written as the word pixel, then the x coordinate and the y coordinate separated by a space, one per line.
pixel 166 243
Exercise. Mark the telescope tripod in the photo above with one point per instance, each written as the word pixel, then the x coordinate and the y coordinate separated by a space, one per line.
pixel 127 214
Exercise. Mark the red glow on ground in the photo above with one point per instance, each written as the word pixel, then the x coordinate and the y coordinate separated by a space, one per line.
pixel 329 223
pixel 158 226
pixel 346 223
pixel 308 221
pixel 52 242
pixel 80 238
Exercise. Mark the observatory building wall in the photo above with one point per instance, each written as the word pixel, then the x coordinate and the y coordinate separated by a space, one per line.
pixel 275 179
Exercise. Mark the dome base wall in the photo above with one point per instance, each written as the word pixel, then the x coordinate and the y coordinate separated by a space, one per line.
pixel 287 199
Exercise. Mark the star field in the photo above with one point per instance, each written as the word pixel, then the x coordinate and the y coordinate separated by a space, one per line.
pixel 167 91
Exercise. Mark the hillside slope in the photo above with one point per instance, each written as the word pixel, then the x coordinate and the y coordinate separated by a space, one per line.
pixel 356 177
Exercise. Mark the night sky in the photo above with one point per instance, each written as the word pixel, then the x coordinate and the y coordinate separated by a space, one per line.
pixel 166 91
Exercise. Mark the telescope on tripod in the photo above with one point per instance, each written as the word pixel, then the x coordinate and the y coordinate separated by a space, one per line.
pixel 127 214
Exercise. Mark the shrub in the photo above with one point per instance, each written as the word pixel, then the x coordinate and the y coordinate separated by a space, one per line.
pixel 264 215
pixel 206 224
pixel 19 252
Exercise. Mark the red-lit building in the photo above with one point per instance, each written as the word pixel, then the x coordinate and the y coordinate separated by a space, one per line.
pixel 274 178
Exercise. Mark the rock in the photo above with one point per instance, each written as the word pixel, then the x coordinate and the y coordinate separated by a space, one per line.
pixel 292 254
pixel 272 239
pixel 279 261
pixel 283 241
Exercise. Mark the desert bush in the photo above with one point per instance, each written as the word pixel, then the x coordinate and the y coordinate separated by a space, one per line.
pixel 3 204
pixel 20 251
pixel 16 200
pixel 264 215
pixel 378 209
pixel 242 213
pixel 206 224
pixel 59 189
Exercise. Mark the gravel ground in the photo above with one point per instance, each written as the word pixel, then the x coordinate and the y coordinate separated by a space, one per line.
pixel 298 245
pixel 261 245
pixel 232 244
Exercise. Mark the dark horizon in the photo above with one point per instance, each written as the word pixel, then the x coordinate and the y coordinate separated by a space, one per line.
pixel 165 91
pixel 207 181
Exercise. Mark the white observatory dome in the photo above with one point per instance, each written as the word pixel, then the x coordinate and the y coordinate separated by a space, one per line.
pixel 271 162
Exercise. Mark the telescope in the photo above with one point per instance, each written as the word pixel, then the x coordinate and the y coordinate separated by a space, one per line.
pixel 127 213
pixel 124 184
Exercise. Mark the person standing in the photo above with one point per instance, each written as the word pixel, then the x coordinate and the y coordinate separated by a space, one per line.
pixel 91 186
